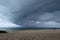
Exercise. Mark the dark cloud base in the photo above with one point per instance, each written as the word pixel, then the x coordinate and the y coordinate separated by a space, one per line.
pixel 41 14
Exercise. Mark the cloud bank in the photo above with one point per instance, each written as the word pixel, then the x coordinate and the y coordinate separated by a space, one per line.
pixel 5 18
pixel 33 13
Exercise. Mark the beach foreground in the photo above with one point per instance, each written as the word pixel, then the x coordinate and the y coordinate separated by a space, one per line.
pixel 31 35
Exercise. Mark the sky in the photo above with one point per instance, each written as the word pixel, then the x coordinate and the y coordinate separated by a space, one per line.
pixel 30 13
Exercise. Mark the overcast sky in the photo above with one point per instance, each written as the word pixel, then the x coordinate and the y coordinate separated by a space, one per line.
pixel 30 13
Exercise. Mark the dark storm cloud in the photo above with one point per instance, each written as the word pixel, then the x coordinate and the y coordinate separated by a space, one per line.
pixel 39 13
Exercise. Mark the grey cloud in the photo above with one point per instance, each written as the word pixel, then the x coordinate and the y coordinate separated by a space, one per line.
pixel 5 18
pixel 46 20
pixel 31 13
